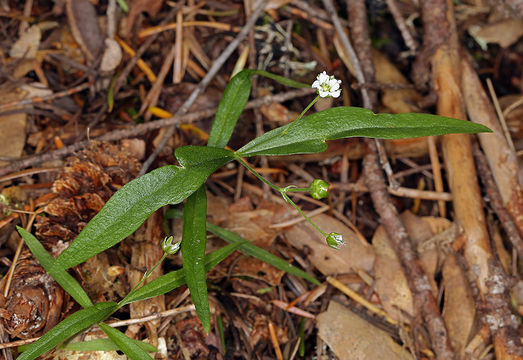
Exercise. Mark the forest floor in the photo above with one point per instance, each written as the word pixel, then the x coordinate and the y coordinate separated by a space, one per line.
pixel 93 95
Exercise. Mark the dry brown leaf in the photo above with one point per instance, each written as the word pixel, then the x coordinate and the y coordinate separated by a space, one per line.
pixel 254 225
pixel 459 310
pixel 355 255
pixel 396 100
pixel 27 45
pixel 138 6
pixel 351 337
pixel 277 113
pixel 112 56
pixel 12 128
pixel 258 269
pixel 391 284
pixel 86 31
pixel 505 33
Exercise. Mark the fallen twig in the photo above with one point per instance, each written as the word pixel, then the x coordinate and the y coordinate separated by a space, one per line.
pixel 495 200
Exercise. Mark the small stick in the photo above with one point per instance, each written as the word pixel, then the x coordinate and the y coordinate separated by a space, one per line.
pixel 38 99
pixel 178 48
pixel 159 315
pixel 155 316
pixel 21 243
pixel 360 299
pixel 275 343
pixel 411 43
pixel 400 191
pixel 495 200
pixel 347 45
pixel 436 172
pixel 151 99
pixel 501 118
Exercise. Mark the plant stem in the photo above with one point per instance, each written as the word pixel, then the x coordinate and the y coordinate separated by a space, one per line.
pixel 301 115
pixel 288 199
pixel 282 191
pixel 147 274
pixel 291 189
pixel 244 163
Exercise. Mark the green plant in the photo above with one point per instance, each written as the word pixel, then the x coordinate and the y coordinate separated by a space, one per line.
pixel 169 185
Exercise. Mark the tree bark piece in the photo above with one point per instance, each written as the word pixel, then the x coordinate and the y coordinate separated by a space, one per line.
pixel 441 36
pixel 146 252
pixel 496 202
pixel 501 158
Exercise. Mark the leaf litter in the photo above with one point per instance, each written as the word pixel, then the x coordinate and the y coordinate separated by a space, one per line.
pixel 249 297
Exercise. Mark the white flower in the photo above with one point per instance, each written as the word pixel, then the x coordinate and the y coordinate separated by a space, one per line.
pixel 169 247
pixel 327 85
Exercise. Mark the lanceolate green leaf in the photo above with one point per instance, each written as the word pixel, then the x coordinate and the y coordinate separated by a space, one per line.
pixel 62 277
pixel 230 108
pixel 127 345
pixel 310 133
pixel 104 345
pixel 75 323
pixel 130 206
pixel 194 239
pixel 233 102
pixel 174 279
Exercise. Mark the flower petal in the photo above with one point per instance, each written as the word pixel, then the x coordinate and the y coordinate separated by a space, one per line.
pixel 335 94
pixel 323 77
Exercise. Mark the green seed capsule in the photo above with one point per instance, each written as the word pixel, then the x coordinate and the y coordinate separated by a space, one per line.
pixel 319 189
pixel 335 240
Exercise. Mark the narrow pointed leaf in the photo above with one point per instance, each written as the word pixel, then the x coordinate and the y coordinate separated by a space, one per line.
pixel 104 345
pixel 174 279
pixel 230 108
pixel 194 239
pixel 310 133
pixel 130 206
pixel 127 345
pixel 281 79
pixel 72 325
pixel 62 277
pixel 233 102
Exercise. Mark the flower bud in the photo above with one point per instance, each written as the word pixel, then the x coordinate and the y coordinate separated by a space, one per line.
pixel 335 240
pixel 319 189
pixel 168 246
